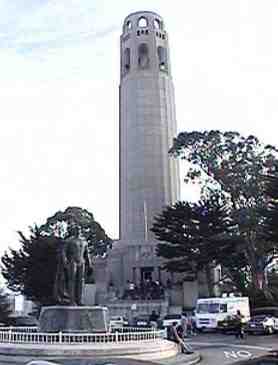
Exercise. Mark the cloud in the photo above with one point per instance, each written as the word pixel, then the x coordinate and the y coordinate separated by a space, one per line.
pixel 49 25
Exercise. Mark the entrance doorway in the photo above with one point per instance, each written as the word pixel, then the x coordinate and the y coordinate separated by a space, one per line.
pixel 147 273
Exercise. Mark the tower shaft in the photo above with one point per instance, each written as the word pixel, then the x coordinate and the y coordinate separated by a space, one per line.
pixel 149 177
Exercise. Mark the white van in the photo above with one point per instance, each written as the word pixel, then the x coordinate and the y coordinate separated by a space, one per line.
pixel 210 311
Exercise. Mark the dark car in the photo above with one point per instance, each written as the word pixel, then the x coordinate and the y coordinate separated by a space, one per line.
pixel 228 325
pixel 141 321
pixel 264 324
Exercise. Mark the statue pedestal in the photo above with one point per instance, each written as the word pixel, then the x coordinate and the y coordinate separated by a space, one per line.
pixel 74 319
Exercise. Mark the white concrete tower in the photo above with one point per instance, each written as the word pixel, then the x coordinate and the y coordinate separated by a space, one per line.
pixel 149 177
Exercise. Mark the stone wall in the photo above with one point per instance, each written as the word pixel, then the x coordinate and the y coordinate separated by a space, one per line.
pixel 131 309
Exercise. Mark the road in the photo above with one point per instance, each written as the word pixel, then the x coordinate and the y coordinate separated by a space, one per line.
pixel 219 349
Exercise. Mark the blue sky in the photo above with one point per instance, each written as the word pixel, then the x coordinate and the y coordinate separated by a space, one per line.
pixel 59 77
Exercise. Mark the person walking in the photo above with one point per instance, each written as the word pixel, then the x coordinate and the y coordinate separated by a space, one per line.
pixel 240 325
pixel 184 321
pixel 191 326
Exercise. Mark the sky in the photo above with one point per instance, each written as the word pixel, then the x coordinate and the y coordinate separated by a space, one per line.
pixel 59 78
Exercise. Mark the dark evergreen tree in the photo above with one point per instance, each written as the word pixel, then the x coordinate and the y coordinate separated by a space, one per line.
pixel 194 237
pixel 31 269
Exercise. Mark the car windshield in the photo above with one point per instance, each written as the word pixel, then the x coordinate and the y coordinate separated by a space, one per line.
pixel 208 308
pixel 172 316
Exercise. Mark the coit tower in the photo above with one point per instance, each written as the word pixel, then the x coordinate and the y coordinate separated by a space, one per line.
pixel 149 177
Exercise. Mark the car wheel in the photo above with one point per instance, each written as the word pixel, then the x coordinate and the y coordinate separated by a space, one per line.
pixel 270 330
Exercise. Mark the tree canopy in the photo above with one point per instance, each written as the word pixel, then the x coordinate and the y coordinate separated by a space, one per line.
pixel 58 225
pixel 31 269
pixel 227 161
pixel 233 165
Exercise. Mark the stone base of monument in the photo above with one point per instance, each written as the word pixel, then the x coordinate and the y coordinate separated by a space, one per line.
pixel 70 333
pixel 74 319
pixel 145 350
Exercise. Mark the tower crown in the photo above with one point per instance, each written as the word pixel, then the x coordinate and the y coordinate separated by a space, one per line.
pixel 144 44
pixel 143 19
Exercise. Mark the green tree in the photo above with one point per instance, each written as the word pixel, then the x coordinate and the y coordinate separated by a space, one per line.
pixel 270 211
pixel 194 237
pixel 31 269
pixel 59 223
pixel 233 165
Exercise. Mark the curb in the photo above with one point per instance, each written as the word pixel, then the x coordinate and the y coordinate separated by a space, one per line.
pixel 180 359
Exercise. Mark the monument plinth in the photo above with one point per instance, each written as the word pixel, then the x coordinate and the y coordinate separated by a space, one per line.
pixel 73 319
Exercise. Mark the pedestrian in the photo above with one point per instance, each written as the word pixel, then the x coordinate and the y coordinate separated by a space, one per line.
pixel 176 335
pixel 190 330
pixel 240 325
pixel 184 321
pixel 153 319
pixel 193 324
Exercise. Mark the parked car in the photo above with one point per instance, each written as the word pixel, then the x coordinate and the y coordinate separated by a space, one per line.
pixel 263 320
pixel 141 321
pixel 169 319
pixel 263 323
pixel 118 321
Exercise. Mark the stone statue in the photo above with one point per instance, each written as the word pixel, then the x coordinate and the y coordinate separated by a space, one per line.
pixel 73 256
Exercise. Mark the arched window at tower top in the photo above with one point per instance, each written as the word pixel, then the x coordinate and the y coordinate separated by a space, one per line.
pixel 162 58
pixel 128 25
pixel 143 56
pixel 157 24
pixel 126 60
pixel 142 22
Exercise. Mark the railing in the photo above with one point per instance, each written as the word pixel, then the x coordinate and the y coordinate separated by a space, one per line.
pixel 130 329
pixel 15 335
pixel 19 329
